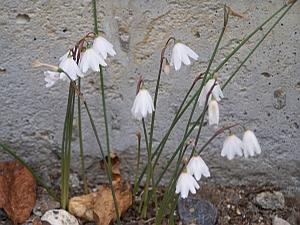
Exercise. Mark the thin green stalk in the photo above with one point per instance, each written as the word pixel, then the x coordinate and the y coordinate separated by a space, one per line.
pixel 82 164
pixel 105 113
pixel 200 89
pixel 161 145
pixel 38 179
pixel 149 169
pixel 205 75
pixel 256 46
pixel 246 39
pixel 135 189
pixel 171 190
pixel 95 17
pixel 186 135
pixel 149 173
pixel 174 122
pixel 105 163
pixel 66 148
pixel 109 168
pixel 105 119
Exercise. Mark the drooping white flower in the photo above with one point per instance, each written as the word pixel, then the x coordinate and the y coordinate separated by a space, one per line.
pixel 216 92
pixel 250 144
pixel 143 105
pixel 91 60
pixel 197 167
pixel 232 146
pixel 181 53
pixel 103 47
pixel 185 184
pixel 51 78
pixel 213 112
pixel 69 66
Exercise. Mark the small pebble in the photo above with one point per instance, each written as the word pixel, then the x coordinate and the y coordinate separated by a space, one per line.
pixel 279 221
pixel 59 217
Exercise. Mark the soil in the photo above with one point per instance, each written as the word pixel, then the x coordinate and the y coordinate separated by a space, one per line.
pixel 235 206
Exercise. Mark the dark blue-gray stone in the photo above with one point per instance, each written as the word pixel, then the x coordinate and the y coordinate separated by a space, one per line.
pixel 197 211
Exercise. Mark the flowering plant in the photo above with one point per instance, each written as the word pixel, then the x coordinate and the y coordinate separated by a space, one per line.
pixel 90 54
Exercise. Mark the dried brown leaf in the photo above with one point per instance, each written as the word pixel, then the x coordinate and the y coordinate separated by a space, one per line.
pixel 17 191
pixel 99 206
pixel 115 162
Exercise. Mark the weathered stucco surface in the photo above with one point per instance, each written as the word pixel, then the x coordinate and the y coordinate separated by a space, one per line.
pixel 265 94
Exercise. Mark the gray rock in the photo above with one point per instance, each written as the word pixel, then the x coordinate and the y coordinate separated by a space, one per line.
pixel 59 217
pixel 279 221
pixel 197 211
pixel 270 200
pixel 44 203
pixel 74 180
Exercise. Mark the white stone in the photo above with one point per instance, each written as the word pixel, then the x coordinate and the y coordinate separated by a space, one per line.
pixel 279 221
pixel 59 217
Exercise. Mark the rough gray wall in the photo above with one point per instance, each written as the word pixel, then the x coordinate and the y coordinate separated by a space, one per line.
pixel 265 94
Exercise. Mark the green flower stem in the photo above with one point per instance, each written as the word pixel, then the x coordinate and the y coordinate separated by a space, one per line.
pixel 246 39
pixel 109 166
pixel 136 186
pixel 204 80
pixel 105 163
pixel 66 148
pixel 165 138
pixel 82 165
pixel 171 189
pixel 196 99
pixel 257 45
pixel 149 170
pixel 186 135
pixel 38 179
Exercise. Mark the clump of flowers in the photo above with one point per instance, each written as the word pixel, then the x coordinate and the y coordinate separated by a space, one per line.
pixel 90 54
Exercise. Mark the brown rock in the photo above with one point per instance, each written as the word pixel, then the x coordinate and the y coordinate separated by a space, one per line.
pixel 17 191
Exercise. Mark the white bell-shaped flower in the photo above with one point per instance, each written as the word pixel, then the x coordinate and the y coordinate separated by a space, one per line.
pixel 216 92
pixel 143 105
pixel 69 66
pixel 232 146
pixel 181 53
pixel 185 184
pixel 91 60
pixel 51 78
pixel 103 47
pixel 197 167
pixel 250 144
pixel 213 113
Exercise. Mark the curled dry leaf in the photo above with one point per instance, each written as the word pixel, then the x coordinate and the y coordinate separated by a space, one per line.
pixel 17 191
pixel 115 163
pixel 99 206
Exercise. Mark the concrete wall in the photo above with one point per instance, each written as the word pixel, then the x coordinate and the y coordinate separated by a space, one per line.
pixel 265 93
